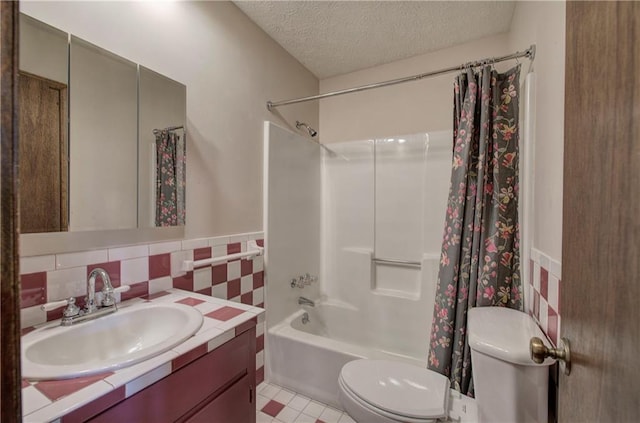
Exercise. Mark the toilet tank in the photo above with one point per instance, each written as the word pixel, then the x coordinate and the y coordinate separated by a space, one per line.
pixel 509 386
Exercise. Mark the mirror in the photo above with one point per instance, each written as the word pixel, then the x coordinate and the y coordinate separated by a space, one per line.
pixel 102 138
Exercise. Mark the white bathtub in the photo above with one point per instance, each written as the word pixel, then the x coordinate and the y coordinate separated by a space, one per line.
pixel 307 358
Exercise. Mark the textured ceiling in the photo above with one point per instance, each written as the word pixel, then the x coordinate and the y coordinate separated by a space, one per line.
pixel 334 37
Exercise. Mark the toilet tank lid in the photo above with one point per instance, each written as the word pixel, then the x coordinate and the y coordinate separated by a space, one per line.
pixel 504 333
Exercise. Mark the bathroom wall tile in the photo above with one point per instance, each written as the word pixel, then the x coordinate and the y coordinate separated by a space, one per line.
pixel 134 270
pixel 164 247
pixel 258 263
pixel 240 238
pixel 202 253
pixel 66 283
pixel 234 248
pixel 192 244
pixel 184 282
pixel 260 242
pixel 112 269
pixel 544 282
pixel 202 278
pixel 258 296
pixel 536 277
pixel 219 274
pixel 159 265
pixel 555 268
pixel 246 267
pixel 136 290
pixel 553 326
pixel 219 250
pixel 260 360
pixel 220 240
pixel 37 264
pixel 160 284
pixel 68 260
pixel 220 290
pixel 246 284
pixel 124 253
pixel 260 342
pixel 33 289
pixel 544 313
pixel 258 280
pixel 247 298
pixel 260 375
pixel 177 260
pixel 233 288
pixel 31 316
pixel 255 235
pixel 260 326
pixel 554 289
pixel 536 304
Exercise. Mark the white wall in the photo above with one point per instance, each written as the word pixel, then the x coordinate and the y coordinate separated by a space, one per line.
pixel 230 67
pixel 421 106
pixel 543 24
pixel 292 221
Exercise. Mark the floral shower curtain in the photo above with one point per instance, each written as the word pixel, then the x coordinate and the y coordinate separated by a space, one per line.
pixel 480 260
pixel 170 179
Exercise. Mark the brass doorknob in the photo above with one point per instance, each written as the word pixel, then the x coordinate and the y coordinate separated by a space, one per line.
pixel 539 351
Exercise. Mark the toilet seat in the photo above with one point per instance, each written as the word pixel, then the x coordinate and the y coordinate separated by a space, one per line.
pixel 395 390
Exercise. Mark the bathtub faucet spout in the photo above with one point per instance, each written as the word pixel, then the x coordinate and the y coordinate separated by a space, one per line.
pixel 306 301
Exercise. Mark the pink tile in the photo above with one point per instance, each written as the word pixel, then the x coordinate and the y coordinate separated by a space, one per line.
pixel 184 282
pixel 531 267
pixel 56 389
pixel 536 304
pixel 259 375
pixel 258 279
pixel 245 326
pixel 136 290
pixel 219 274
pixel 225 313
pixel 25 331
pixel 33 289
pixel 159 265
pixel 559 296
pixel 319 421
pixel 190 301
pixel 247 298
pixel 87 411
pixel 202 253
pixel 156 295
pixel 260 343
pixel 25 384
pixel 234 248
pixel 113 270
pixel 260 242
pixel 544 283
pixel 552 326
pixel 188 357
pixel 246 267
pixel 272 408
pixel 233 288
pixel 261 305
pixel 205 291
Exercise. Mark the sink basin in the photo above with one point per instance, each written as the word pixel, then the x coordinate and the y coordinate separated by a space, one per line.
pixel 128 336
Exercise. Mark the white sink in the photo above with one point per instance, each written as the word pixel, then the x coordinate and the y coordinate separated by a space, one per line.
pixel 128 336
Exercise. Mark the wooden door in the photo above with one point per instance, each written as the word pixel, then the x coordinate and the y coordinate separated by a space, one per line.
pixel 600 297
pixel 43 155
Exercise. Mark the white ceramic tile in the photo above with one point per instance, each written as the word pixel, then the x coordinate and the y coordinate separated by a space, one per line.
pixel 219 291
pixel 535 255
pixel 263 418
pixel 555 267
pixel 124 253
pixel 66 283
pixel 33 400
pixel 147 379
pixel 304 418
pixel 235 300
pixel 345 418
pixel 536 276
pixel 219 250
pixel 192 244
pixel 232 323
pixel 260 360
pixel 314 409
pixel 32 316
pixel 255 235
pixel 207 307
pixel 201 278
pixel 258 296
pixel 269 391
pixel 123 376
pixel 330 415
pixel 261 317
pixel 37 264
pixel 220 339
pixel 246 284
pixel 193 342
pixel 220 240
pixel 233 270
pixel 134 270
pixel 177 258
pixel 69 403
pixel 554 289
pixel 84 258
pixel 287 415
pixel 544 261
pixel 238 238
pixel 261 401
pixel 284 396
pixel 258 264
pixel 160 284
pixel 544 313
pixel 259 329
pixel 299 402
pixel 164 247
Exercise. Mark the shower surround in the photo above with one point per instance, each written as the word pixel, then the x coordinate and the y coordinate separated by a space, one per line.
pixel 342 210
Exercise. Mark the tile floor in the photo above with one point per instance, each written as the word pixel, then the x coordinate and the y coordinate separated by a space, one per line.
pixel 279 405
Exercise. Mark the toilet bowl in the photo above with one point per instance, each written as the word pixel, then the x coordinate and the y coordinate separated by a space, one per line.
pixel 381 391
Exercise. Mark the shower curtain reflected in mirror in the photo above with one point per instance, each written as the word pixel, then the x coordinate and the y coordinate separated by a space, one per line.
pixel 170 179
pixel 480 259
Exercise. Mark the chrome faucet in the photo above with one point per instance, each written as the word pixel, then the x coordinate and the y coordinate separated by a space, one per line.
pixel 306 301
pixel 73 314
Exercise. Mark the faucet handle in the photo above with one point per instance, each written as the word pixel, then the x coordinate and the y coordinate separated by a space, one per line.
pixel 71 310
pixel 107 294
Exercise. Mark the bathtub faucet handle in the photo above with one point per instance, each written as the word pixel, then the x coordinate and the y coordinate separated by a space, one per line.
pixel 297 283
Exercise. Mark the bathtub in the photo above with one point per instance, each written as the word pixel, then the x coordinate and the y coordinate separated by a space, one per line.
pixel 307 358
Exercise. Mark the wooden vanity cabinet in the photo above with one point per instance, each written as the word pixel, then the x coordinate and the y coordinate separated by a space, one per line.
pixel 216 387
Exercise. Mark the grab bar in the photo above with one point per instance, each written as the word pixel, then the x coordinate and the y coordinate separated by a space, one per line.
pixel 396 262
pixel 254 250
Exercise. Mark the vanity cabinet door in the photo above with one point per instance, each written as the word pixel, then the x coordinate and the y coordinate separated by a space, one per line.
pixel 234 405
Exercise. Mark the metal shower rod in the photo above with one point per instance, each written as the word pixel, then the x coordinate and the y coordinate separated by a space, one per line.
pixel 529 53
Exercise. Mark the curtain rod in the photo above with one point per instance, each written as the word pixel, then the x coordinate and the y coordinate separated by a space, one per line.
pixel 529 53
pixel 171 128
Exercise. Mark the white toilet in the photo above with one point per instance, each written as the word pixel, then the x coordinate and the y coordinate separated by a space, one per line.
pixel 509 387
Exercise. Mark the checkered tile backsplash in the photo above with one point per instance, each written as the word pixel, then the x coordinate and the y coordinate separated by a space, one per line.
pixel 543 295
pixel 147 269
